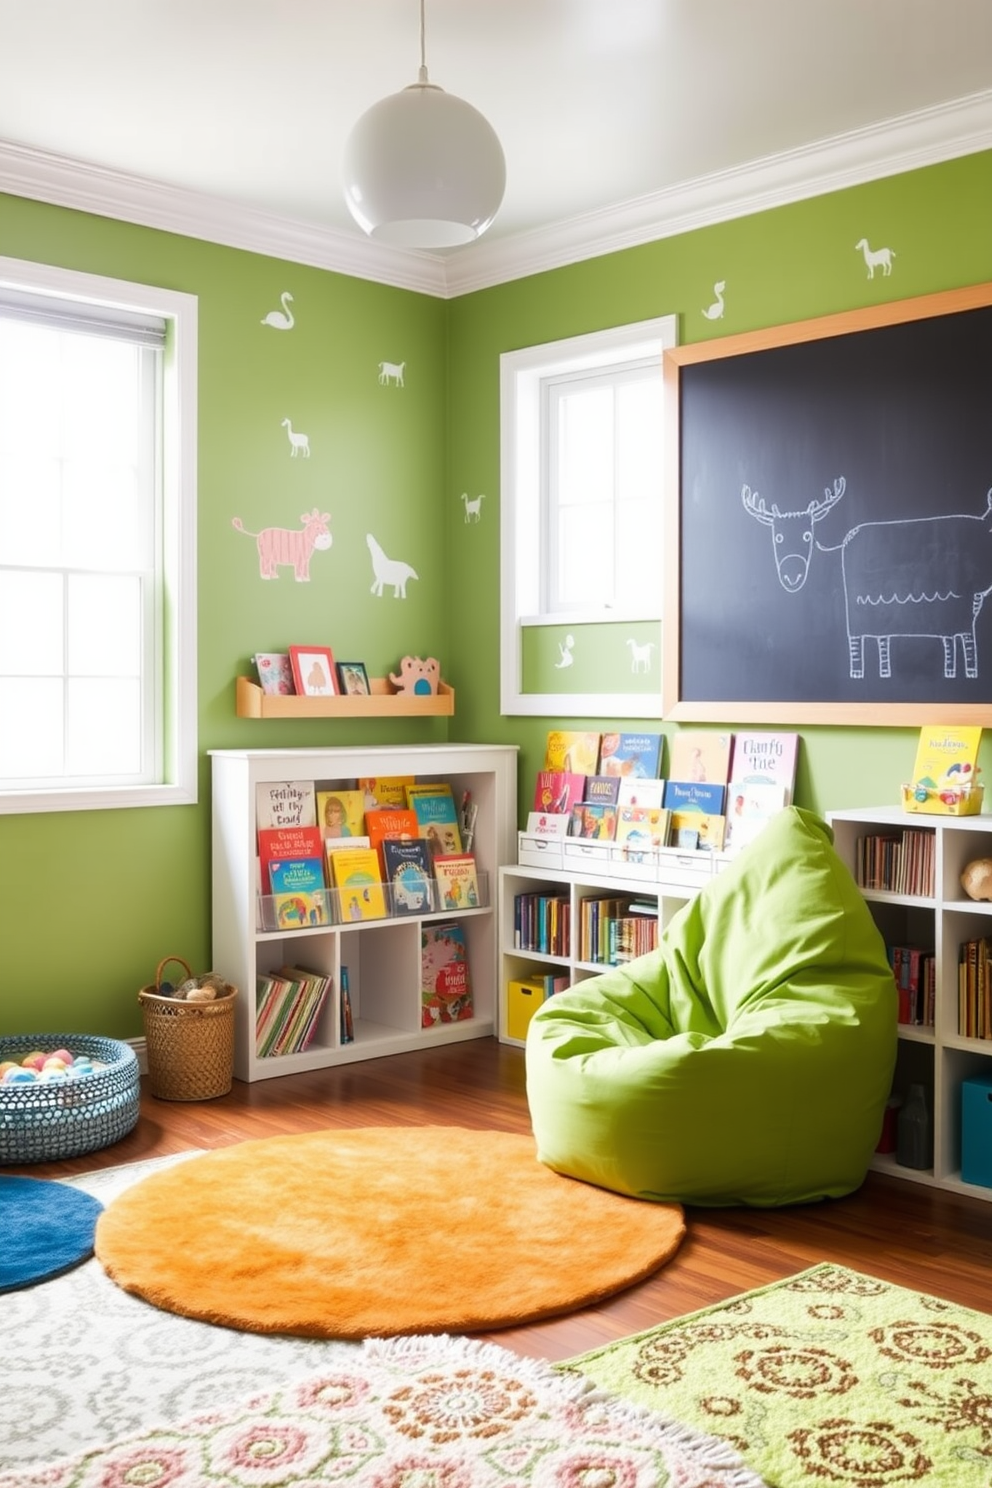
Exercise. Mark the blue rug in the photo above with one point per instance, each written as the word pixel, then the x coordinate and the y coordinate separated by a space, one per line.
pixel 45 1228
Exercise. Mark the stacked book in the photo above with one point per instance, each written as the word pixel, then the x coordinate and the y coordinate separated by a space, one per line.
pixel 288 1005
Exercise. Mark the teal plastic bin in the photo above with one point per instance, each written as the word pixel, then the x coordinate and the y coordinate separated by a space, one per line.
pixel 976 1130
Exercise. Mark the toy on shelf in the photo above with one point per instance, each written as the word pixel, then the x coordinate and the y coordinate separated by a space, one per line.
pixel 417 677
pixel 976 878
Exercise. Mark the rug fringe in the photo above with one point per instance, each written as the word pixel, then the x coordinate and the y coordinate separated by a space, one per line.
pixel 416 1352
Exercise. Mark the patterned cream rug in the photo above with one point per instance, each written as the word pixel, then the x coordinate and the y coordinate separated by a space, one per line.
pixel 431 1412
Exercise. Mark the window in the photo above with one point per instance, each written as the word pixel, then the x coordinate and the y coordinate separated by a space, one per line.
pixel 582 506
pixel 97 539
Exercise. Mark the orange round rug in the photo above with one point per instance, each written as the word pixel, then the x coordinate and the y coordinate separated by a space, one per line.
pixel 378 1231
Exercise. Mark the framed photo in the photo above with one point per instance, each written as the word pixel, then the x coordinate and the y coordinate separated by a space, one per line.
pixel 353 679
pixel 313 671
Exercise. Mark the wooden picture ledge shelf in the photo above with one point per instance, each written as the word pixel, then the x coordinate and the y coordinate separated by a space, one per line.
pixel 252 702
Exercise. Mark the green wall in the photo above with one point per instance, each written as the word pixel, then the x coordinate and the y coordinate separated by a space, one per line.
pixel 790 263
pixel 90 901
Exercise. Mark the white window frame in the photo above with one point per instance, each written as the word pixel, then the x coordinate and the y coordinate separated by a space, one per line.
pixel 178 689
pixel 522 374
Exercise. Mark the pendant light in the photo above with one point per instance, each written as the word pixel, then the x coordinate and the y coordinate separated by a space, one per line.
pixel 422 168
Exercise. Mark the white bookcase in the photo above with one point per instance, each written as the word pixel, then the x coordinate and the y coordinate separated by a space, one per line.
pixel 673 879
pixel 382 956
pixel 940 1058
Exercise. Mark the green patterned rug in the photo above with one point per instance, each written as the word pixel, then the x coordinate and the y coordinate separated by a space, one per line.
pixel 829 1377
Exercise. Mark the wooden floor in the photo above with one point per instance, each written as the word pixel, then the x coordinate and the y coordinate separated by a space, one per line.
pixel 905 1232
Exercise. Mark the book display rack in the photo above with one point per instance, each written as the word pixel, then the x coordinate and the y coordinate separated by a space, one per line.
pixel 381 957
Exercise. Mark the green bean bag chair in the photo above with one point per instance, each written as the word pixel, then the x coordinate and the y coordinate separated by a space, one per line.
pixel 747 1060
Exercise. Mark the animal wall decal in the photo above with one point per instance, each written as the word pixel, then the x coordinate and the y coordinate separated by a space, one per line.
pixel 640 655
pixel 389 572
pixel 285 547
pixel 473 508
pixel 281 320
pixel 715 311
pixel 880 258
pixel 566 659
pixel 391 372
pixel 299 444
pixel 918 577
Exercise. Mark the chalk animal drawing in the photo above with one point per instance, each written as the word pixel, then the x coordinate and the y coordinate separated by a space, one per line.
pixel 566 659
pixel 287 547
pixel 388 571
pixel 391 372
pixel 281 320
pixel 299 443
pixel 919 577
pixel 473 509
pixel 640 655
pixel 715 311
pixel 881 258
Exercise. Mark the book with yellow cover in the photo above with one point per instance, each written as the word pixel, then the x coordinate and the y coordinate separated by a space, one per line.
pixel 946 755
pixel 341 813
pixel 384 790
pixel 572 751
pixel 707 827
pixel 355 875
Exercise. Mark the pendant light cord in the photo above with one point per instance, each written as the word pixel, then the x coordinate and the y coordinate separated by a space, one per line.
pixel 422 76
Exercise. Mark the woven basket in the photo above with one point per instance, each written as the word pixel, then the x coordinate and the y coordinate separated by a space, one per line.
pixel 190 1044
pixel 44 1123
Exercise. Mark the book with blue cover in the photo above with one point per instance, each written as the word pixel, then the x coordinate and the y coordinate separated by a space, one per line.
pixel 695 795
pixel 630 754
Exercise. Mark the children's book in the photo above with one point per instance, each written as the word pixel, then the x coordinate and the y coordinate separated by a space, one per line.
pixel 285 803
pixel 557 791
pixel 751 804
pixel 298 892
pixel 641 829
pixel 946 756
pixel 574 751
pixel 445 979
pixel 700 755
pixel 695 795
pixel 603 789
pixel 599 823
pixel 708 830
pixel 437 817
pixel 396 822
pixel 341 813
pixel 457 881
pixel 284 843
pixel 765 758
pixel 636 792
pixel 384 790
pixel 275 672
pixel 355 874
pixel 407 874
pixel 627 755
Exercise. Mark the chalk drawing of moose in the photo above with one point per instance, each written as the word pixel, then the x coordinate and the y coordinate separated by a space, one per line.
pixel 391 372
pixel 286 547
pixel 919 577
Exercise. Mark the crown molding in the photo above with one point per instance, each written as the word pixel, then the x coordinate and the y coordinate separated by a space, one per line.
pixel 928 137
pixel 897 145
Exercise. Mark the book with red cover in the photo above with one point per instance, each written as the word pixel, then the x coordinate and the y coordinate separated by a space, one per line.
pixel 557 791
pixel 282 844
pixel 445 980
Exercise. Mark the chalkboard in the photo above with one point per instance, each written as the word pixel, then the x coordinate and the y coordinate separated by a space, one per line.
pixel 830 491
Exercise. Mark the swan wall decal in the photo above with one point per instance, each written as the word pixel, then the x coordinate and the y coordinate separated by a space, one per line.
pixel 281 320
pixel 715 311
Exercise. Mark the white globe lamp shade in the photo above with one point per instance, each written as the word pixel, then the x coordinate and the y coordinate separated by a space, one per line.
pixel 424 169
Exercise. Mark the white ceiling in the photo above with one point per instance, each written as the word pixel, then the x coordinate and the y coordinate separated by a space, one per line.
pixel 615 115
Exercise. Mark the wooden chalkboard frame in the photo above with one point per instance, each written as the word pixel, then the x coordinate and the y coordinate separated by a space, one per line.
pixel 676 705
